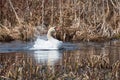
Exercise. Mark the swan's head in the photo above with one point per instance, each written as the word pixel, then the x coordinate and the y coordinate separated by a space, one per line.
pixel 54 29
pixel 51 31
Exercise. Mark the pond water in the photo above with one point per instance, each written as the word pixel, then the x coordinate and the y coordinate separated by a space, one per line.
pixel 78 61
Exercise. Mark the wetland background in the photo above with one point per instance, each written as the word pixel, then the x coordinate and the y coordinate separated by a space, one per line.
pixel 79 19
pixel 93 26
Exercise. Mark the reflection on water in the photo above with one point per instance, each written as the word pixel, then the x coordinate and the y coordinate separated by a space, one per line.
pixel 47 57
pixel 98 61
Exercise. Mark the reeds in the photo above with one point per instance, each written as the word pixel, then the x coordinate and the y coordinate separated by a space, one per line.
pixel 21 32
pixel 91 20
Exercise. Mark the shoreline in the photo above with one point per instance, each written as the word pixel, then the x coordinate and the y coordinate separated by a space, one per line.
pixel 66 35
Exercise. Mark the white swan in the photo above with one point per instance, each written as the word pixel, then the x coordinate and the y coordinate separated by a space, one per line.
pixel 50 43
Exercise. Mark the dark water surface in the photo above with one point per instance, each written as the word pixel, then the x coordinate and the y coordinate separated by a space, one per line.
pixel 79 61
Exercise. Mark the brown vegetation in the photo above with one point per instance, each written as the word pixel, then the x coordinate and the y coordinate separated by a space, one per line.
pixel 80 19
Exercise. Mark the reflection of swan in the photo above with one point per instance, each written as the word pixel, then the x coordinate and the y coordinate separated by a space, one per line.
pixel 47 57
pixel 51 43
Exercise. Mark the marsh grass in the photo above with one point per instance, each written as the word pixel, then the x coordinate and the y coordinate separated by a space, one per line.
pixel 21 32
pixel 89 20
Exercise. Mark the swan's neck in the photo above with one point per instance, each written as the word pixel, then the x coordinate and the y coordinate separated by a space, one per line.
pixel 49 35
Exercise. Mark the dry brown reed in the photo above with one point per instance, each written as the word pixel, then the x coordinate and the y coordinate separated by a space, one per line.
pixel 88 19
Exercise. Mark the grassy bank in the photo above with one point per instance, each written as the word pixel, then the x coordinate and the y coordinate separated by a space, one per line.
pixel 87 20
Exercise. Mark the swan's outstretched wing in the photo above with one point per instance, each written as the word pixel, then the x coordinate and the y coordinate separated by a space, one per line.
pixel 39 44
pixel 47 44
pixel 56 43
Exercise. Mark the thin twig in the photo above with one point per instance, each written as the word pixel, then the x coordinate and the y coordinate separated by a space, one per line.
pixel 14 11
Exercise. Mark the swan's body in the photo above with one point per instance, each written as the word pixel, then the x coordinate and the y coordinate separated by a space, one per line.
pixel 51 43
